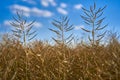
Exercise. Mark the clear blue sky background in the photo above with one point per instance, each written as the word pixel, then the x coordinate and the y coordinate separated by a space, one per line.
pixel 46 10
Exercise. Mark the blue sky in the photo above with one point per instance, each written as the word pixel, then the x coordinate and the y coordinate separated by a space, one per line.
pixel 44 11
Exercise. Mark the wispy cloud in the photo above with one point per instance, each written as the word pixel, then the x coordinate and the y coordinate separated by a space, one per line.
pixel 16 7
pixel 63 5
pixel 31 11
pixel 7 22
pixel 79 27
pixel 38 24
pixel 78 6
pixel 46 3
pixel 62 11
pixel 30 1
pixel 43 13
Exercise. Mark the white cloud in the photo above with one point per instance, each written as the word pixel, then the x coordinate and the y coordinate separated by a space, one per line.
pixel 78 6
pixel 37 24
pixel 63 5
pixel 52 2
pixel 62 11
pixel 16 7
pixel 79 27
pixel 30 1
pixel 46 3
pixel 7 22
pixel 30 11
pixel 44 13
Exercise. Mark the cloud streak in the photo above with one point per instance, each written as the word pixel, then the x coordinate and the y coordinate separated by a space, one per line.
pixel 43 13
pixel 63 5
pixel 46 3
pixel 30 11
pixel 38 24
pixel 62 11
pixel 78 6
pixel 79 27
pixel 30 1
pixel 7 22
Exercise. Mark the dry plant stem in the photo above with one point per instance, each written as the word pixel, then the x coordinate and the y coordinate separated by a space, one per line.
pixel 22 30
pixel 93 35
pixel 13 77
pixel 92 18
pixel 62 27
pixel 26 64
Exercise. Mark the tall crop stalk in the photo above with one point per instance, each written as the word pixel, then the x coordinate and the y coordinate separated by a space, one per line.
pixel 62 28
pixel 22 30
pixel 92 18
